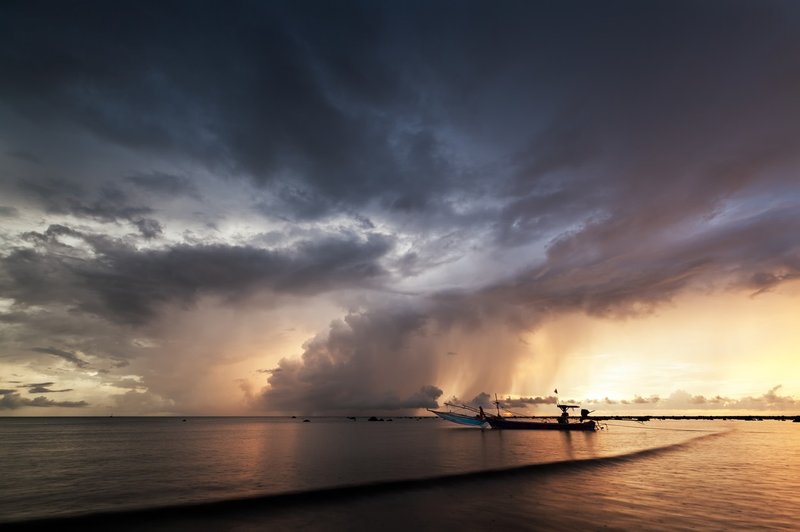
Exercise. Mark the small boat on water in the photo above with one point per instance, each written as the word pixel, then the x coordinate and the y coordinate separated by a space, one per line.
pixel 475 417
pixel 562 422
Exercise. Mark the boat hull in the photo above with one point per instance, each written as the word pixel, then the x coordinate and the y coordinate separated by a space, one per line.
pixel 461 419
pixel 511 424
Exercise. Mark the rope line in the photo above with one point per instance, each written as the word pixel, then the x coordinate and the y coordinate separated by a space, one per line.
pixel 657 428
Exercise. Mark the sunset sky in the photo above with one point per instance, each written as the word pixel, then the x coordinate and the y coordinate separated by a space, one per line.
pixel 314 207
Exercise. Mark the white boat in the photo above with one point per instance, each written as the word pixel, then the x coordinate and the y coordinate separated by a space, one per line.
pixel 475 418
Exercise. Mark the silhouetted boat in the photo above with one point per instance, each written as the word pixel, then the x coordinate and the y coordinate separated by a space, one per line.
pixel 514 424
pixel 476 417
pixel 563 422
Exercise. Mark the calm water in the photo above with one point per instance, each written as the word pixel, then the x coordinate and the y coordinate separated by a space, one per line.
pixel 692 474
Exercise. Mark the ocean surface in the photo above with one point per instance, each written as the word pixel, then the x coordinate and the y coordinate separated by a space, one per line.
pixel 661 475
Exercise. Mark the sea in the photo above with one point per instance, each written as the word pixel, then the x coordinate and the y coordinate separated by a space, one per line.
pixel 326 473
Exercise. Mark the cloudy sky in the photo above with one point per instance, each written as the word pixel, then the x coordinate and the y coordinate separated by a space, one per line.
pixel 342 207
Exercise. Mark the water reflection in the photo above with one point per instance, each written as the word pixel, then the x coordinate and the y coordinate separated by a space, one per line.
pixel 57 466
pixel 566 439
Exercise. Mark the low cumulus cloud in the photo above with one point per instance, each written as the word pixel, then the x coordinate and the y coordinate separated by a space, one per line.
pixel 65 355
pixel 12 400
pixel 43 387
pixel 525 402
pixel 683 400
pixel 364 362
pixel 771 400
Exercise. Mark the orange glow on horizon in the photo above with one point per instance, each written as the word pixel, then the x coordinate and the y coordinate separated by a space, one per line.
pixel 727 344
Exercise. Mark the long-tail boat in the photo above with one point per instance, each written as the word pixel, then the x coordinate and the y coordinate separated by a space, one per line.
pixel 562 422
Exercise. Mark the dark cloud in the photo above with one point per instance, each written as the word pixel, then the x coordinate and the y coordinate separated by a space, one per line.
pixel 425 397
pixel 8 212
pixel 60 353
pixel 483 399
pixel 108 204
pixel 43 387
pixel 524 402
pixel 37 384
pixel 23 155
pixel 360 103
pixel 610 269
pixel 365 362
pixel 149 228
pixel 297 100
pixel 569 157
pixel 605 270
pixel 11 400
pixel 127 284
pixel 334 106
pixel 164 183
pixel 487 400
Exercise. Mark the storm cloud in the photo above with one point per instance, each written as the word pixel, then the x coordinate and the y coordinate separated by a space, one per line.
pixel 43 387
pixel 426 178
pixel 128 285
pixel 365 362
pixel 60 353
pixel 12 400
